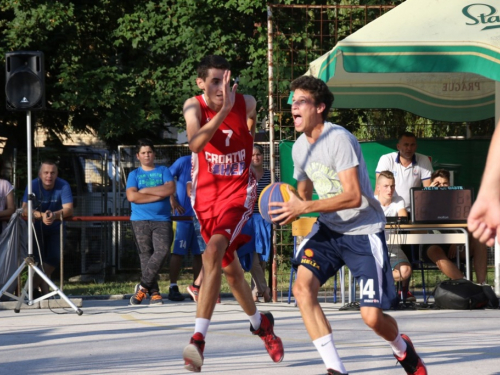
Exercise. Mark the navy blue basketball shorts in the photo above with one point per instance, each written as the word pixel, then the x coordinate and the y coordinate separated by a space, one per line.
pixel 186 239
pixel 324 252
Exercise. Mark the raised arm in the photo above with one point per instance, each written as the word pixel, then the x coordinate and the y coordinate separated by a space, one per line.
pixel 199 136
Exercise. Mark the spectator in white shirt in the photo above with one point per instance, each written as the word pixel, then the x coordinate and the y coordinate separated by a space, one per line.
pixel 410 169
pixel 394 206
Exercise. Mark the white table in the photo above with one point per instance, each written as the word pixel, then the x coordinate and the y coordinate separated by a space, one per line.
pixel 432 237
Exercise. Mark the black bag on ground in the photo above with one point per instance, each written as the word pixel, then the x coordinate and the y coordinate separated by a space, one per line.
pixel 464 295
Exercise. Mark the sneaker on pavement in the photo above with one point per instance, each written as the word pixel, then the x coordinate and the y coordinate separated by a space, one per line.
pixel 334 372
pixel 155 299
pixel 139 295
pixel 410 297
pixel 193 292
pixel 174 294
pixel 273 343
pixel 218 299
pixel 411 362
pixel 193 353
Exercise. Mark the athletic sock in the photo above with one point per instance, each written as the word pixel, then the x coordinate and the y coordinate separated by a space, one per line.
pixel 201 326
pixel 398 346
pixel 328 352
pixel 255 320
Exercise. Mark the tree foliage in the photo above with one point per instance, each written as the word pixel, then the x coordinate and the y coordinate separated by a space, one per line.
pixel 124 68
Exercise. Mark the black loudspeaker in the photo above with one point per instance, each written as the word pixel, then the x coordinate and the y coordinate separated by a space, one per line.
pixel 24 80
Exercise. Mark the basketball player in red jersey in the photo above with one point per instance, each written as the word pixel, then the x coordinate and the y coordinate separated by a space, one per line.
pixel 220 127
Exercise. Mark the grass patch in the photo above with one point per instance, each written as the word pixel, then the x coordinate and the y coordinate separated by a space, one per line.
pixel 432 277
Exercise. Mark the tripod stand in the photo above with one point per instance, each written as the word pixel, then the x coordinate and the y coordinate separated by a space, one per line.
pixel 29 261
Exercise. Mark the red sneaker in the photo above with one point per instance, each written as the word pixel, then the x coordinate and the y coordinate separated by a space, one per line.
pixel 273 343
pixel 410 297
pixel 406 296
pixel 193 353
pixel 411 362
pixel 334 372
pixel 193 292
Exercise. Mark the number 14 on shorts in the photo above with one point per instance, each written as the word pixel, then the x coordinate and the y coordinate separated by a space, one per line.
pixel 366 290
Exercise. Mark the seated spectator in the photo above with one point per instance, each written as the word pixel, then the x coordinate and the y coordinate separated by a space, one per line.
pixel 53 201
pixel 444 256
pixel 394 206
pixel 410 168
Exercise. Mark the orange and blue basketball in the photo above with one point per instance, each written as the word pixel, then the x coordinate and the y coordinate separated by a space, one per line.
pixel 276 192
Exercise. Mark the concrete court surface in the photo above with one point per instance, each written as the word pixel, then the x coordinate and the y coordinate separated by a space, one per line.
pixel 112 337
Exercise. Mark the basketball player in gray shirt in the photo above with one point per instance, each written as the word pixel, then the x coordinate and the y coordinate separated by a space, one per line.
pixel 349 230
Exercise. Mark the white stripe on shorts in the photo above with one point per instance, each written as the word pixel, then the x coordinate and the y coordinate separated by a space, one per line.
pixel 378 254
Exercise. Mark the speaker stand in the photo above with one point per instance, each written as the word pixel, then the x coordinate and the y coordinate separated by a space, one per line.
pixel 29 262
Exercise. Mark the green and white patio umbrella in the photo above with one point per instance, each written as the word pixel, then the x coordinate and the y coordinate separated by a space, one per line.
pixel 439 59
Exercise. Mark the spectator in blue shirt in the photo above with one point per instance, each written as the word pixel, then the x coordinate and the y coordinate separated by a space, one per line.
pixel 52 201
pixel 148 190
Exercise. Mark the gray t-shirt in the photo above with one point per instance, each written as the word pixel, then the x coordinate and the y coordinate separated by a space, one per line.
pixel 335 151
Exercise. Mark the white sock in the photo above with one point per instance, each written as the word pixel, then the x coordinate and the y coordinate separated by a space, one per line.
pixel 255 320
pixel 398 346
pixel 329 354
pixel 201 326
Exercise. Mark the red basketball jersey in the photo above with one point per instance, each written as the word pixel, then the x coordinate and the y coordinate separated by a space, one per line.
pixel 220 172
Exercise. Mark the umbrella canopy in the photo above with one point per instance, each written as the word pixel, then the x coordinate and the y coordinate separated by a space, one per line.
pixel 439 59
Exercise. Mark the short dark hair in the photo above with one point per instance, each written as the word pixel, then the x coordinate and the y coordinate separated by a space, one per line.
pixel 443 173
pixel 407 134
pixel 211 62
pixel 318 90
pixel 258 147
pixel 48 162
pixel 387 174
pixel 144 142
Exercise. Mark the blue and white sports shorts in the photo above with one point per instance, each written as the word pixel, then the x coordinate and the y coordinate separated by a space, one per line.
pixel 324 252
pixel 186 239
